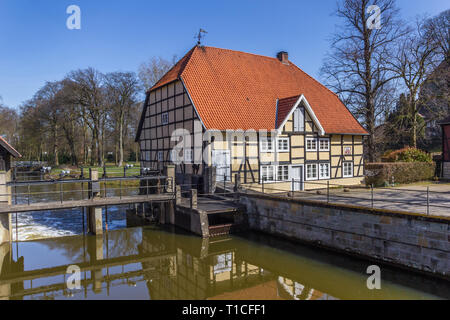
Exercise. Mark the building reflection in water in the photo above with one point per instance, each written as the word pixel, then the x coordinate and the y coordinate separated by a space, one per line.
pixel 150 263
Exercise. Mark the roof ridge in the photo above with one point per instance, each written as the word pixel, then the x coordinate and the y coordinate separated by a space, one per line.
pixel 294 96
pixel 186 57
pixel 249 53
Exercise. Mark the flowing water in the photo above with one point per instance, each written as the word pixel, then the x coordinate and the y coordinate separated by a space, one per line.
pixel 161 262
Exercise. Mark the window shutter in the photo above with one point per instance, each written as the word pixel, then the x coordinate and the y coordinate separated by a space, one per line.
pixel 296 121
pixel 299 119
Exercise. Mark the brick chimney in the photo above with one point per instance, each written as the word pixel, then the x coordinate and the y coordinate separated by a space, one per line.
pixel 283 56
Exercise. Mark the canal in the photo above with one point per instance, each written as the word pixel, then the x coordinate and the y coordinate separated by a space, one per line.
pixel 161 262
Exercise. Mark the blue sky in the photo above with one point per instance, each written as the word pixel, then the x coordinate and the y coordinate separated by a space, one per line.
pixel 36 46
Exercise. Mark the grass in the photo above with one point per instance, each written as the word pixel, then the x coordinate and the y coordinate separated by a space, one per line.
pixel 111 170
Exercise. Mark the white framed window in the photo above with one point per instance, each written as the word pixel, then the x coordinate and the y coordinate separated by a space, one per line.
pixel 266 144
pixel 311 171
pixel 311 144
pixel 324 144
pixel 283 173
pixel 324 171
pixel 165 118
pixel 347 169
pixel 283 144
pixel 268 173
pixel 160 156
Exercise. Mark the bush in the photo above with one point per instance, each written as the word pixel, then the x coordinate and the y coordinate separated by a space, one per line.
pixel 381 174
pixel 407 155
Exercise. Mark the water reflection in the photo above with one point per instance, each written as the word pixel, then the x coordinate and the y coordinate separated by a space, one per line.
pixel 154 263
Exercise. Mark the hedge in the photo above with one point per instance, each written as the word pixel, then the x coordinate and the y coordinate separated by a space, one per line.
pixel 381 174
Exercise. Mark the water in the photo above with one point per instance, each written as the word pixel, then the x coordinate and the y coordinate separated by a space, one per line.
pixel 47 224
pixel 162 262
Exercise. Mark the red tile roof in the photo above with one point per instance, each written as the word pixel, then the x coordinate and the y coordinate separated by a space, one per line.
pixel 9 148
pixel 284 107
pixel 238 90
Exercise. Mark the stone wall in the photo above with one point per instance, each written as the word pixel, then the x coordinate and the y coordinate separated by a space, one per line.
pixel 409 240
pixel 446 170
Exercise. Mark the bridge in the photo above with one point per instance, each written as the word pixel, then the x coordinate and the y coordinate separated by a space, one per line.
pixel 206 214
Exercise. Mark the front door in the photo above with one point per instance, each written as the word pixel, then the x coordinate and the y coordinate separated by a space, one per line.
pixel 221 159
pixel 297 178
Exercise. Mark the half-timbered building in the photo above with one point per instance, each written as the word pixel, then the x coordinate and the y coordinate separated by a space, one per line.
pixel 260 117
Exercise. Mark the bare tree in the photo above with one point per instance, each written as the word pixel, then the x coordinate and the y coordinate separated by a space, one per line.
pixel 435 92
pixel 438 29
pixel 9 122
pixel 122 91
pixel 415 61
pixel 150 72
pixel 50 112
pixel 89 92
pixel 356 66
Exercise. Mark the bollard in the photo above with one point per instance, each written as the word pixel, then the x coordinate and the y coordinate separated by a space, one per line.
pixel 428 201
pixel 225 184
pixel 328 191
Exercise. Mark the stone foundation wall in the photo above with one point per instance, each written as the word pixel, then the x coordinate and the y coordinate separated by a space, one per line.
pixel 409 240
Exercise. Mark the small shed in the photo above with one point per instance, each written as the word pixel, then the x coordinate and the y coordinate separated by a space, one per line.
pixel 445 124
pixel 6 152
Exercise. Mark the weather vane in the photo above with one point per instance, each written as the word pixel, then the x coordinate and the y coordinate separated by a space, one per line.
pixel 200 36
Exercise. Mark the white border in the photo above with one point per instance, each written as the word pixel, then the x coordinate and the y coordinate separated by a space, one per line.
pixel 288 144
pixel 306 144
pixel 311 114
pixel 353 172
pixel 306 171
pixel 329 143
pixel 329 171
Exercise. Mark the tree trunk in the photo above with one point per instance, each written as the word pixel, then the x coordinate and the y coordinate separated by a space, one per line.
pixel 55 146
pixel 121 119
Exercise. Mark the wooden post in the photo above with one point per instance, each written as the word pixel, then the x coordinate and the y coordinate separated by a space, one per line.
pixel 178 195
pixel 95 217
pixel 237 182
pixel 170 178
pixel 5 219
pixel 193 199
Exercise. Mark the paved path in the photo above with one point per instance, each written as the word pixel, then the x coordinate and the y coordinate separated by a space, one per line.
pixel 411 198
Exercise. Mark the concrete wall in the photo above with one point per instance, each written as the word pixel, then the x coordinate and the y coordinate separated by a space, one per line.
pixel 409 240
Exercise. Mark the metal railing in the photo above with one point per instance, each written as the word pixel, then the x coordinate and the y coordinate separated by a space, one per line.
pixel 79 173
pixel 30 192
pixel 424 201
